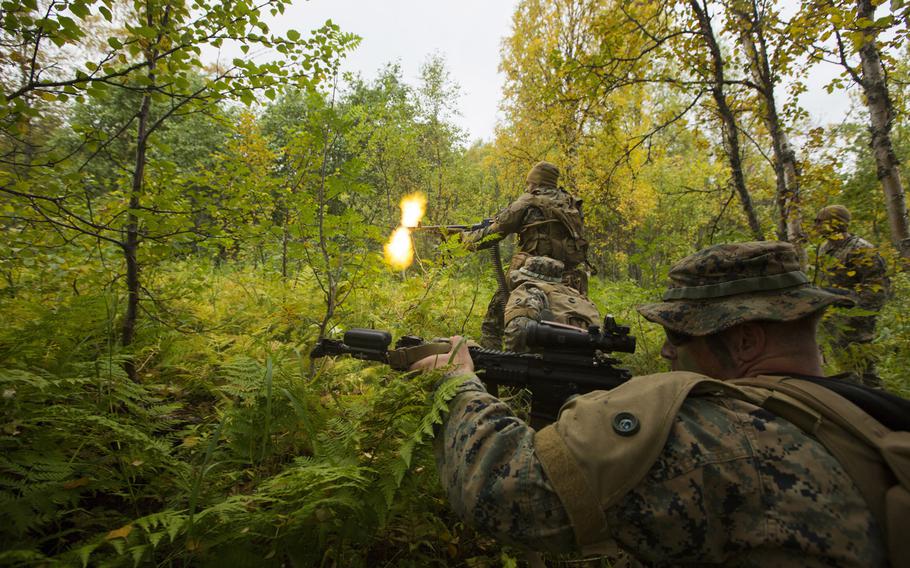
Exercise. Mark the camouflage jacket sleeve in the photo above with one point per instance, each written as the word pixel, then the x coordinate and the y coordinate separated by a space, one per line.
pixel 486 461
pixel 857 267
pixel 508 221
pixel 869 276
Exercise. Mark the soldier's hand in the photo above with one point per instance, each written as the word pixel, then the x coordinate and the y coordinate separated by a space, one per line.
pixel 458 357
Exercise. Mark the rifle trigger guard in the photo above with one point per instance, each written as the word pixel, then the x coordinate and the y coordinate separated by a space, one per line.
pixel 403 357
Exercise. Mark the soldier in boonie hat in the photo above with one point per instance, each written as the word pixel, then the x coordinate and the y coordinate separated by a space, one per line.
pixel 729 284
pixel 678 454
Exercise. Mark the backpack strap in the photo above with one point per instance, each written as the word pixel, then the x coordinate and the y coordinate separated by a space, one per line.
pixel 875 457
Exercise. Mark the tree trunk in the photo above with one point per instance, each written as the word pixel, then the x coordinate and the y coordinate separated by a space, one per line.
pixel 131 244
pixel 730 130
pixel 785 167
pixel 881 114
pixel 330 284
pixel 284 250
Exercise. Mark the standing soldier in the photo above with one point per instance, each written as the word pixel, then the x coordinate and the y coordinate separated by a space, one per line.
pixel 538 294
pixel 548 221
pixel 850 263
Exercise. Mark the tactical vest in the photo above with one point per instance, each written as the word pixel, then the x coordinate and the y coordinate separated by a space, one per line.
pixel 559 234
pixel 565 304
pixel 872 271
pixel 592 465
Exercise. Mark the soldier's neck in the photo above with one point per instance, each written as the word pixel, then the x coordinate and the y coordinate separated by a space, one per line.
pixel 798 361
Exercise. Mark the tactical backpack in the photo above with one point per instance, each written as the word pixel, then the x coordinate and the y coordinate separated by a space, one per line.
pixel 565 305
pixel 579 455
pixel 874 456
pixel 559 234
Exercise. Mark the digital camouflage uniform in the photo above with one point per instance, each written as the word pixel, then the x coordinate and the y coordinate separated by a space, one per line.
pixel 732 485
pixel 539 294
pixel 548 222
pixel 850 263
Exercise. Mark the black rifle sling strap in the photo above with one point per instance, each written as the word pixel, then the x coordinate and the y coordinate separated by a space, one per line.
pixel 875 457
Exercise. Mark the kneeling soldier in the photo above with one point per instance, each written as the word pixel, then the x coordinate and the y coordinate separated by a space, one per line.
pixel 538 294
pixel 728 459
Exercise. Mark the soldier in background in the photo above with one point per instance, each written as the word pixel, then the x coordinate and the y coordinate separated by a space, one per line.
pixel 549 222
pixel 850 263
pixel 538 294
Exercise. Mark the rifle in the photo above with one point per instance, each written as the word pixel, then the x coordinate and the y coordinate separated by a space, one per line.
pixel 447 228
pixel 495 256
pixel 568 361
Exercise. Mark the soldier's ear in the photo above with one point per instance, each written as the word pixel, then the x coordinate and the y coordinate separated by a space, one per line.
pixel 747 342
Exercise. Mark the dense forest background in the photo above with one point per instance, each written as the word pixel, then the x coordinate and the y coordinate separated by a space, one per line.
pixel 179 228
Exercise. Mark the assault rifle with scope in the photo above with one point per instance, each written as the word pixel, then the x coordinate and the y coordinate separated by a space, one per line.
pixel 565 361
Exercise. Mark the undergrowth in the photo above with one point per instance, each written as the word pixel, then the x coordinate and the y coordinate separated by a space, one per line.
pixel 234 448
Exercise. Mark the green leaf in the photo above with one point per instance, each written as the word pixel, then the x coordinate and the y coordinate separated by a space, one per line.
pixel 146 32
pixel 293 35
pixel 114 42
pixel 85 552
pixel 79 9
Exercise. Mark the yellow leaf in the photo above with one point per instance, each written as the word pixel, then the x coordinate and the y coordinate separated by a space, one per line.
pixel 137 463
pixel 851 273
pixel 122 532
pixel 190 441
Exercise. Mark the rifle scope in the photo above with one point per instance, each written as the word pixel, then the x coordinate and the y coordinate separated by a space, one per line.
pixel 372 339
pixel 548 335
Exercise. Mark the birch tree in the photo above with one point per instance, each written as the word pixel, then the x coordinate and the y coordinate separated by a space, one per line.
pixel 730 128
pixel 848 33
pixel 754 18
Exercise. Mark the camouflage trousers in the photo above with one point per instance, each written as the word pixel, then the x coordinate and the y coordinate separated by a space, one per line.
pixel 492 329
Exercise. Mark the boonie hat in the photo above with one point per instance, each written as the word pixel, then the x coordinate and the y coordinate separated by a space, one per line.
pixel 543 268
pixel 725 285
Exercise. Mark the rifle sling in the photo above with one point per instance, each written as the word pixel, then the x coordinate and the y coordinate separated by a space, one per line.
pixel 402 359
